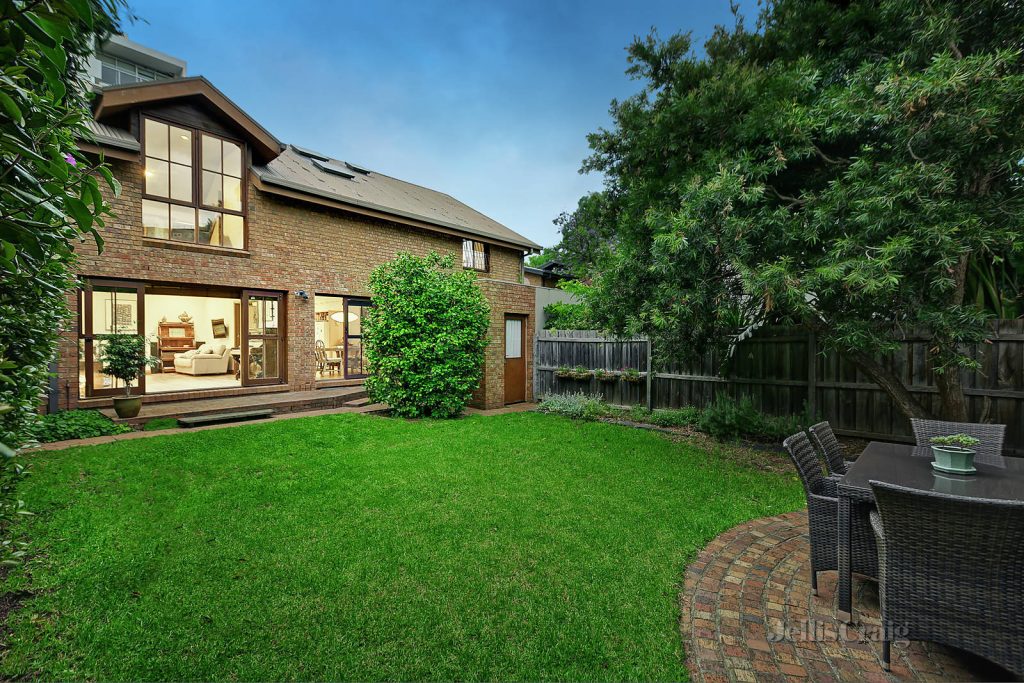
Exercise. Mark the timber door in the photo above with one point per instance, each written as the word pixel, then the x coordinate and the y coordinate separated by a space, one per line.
pixel 263 339
pixel 108 307
pixel 515 359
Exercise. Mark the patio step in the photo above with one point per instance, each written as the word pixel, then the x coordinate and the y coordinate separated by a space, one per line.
pixel 220 418
pixel 358 403
pixel 278 403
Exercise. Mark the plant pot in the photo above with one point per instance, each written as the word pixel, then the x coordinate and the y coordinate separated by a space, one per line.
pixel 128 407
pixel 953 460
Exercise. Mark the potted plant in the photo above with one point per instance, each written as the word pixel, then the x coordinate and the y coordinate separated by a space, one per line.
pixel 581 373
pixel 563 373
pixel 631 375
pixel 123 356
pixel 954 453
pixel 605 375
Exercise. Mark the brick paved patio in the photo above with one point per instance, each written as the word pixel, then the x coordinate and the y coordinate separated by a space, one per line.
pixel 753 579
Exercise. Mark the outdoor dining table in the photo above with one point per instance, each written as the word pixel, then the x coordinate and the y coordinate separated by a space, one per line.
pixel 1001 478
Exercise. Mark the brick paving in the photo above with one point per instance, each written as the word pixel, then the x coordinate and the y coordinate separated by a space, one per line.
pixel 752 583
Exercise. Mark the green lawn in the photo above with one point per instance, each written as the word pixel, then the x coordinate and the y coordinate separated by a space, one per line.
pixel 520 546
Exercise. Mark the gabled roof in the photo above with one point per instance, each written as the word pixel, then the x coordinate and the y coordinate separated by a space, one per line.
pixel 304 171
pixel 117 98
pixel 303 174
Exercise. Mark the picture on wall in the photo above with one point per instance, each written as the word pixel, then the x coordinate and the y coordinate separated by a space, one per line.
pixel 220 330
pixel 120 317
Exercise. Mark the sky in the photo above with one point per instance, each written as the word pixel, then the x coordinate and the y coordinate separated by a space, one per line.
pixel 490 102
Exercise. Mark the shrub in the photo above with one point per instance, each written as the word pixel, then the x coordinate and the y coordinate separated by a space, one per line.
pixel 577 405
pixel 563 315
pixel 729 419
pixel 687 416
pixel 425 336
pixel 74 424
pixel 124 356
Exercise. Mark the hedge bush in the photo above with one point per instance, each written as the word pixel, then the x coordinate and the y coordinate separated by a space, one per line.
pixel 577 405
pixel 425 336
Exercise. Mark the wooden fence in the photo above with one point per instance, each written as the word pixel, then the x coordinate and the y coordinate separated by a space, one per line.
pixel 783 371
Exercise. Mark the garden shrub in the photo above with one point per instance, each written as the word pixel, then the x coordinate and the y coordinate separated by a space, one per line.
pixel 74 424
pixel 577 405
pixel 425 336
pixel 727 419
pixel 687 416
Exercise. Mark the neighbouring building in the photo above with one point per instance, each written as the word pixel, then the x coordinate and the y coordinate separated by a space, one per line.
pixel 245 261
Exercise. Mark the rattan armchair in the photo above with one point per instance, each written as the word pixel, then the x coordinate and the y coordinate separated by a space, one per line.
pixel 951 572
pixel 823 516
pixel 825 441
pixel 991 436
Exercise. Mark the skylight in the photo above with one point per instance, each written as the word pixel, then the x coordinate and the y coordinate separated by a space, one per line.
pixel 310 153
pixel 333 167
pixel 358 168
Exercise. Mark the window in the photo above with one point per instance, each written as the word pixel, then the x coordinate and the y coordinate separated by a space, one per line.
pixel 194 186
pixel 475 255
pixel 114 71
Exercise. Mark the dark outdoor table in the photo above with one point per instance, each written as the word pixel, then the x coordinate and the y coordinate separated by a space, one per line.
pixel 910 466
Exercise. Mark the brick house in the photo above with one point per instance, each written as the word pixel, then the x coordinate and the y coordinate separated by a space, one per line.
pixel 245 261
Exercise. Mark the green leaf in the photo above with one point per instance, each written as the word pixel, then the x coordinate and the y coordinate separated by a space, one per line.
pixel 9 106
pixel 77 208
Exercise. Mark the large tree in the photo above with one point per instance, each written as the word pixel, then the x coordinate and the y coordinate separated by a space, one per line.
pixel 845 166
pixel 49 191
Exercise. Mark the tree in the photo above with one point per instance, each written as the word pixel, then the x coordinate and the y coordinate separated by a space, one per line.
pixel 425 336
pixel 49 191
pixel 844 167
pixel 124 357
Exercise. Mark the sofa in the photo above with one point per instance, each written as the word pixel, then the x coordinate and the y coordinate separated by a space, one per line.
pixel 208 359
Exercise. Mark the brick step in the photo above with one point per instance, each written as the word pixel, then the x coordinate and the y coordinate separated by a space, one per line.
pixel 220 418
pixel 358 403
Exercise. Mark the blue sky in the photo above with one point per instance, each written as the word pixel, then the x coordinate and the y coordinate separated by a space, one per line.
pixel 490 102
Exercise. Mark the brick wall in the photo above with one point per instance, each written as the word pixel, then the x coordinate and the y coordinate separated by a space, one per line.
pixel 505 297
pixel 292 246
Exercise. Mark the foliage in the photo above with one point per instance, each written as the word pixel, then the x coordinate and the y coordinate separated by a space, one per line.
pixel 843 166
pixel 602 375
pixel 687 416
pixel 630 375
pixel 727 419
pixel 546 255
pixel 570 315
pixel 958 440
pixel 159 423
pixel 577 405
pixel 425 336
pixel 74 424
pixel 149 565
pixel 49 191
pixel 124 356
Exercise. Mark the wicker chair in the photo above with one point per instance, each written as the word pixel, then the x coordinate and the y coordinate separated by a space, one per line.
pixel 991 436
pixel 950 571
pixel 823 516
pixel 827 444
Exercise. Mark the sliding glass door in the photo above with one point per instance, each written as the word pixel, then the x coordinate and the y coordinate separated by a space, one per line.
pixel 107 307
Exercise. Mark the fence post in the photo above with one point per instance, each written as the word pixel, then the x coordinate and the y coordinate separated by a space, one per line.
pixel 650 376
pixel 812 375
pixel 536 373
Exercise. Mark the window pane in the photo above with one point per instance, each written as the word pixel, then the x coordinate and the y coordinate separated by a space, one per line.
pixel 255 315
pixel 183 223
pixel 108 74
pixel 233 231
pixel 155 222
pixel 513 338
pixel 270 315
pixel 181 182
pixel 181 146
pixel 232 193
pixel 270 358
pixel 256 361
pixel 232 159
pixel 213 192
pixel 208 231
pixel 211 153
pixel 156 177
pixel 467 253
pixel 156 139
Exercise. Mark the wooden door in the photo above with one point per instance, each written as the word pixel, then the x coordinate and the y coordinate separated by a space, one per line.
pixel 109 307
pixel 263 338
pixel 515 359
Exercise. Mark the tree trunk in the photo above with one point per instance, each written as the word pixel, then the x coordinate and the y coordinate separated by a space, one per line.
pixel 892 385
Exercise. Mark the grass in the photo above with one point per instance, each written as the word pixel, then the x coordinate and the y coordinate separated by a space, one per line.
pixel 520 546
pixel 158 423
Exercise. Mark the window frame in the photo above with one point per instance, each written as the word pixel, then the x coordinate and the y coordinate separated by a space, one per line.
pixel 486 252
pixel 197 179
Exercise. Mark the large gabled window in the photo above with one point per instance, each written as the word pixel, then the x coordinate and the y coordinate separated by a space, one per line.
pixel 194 186
pixel 475 255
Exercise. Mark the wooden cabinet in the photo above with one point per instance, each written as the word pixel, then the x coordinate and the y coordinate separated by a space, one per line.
pixel 174 338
